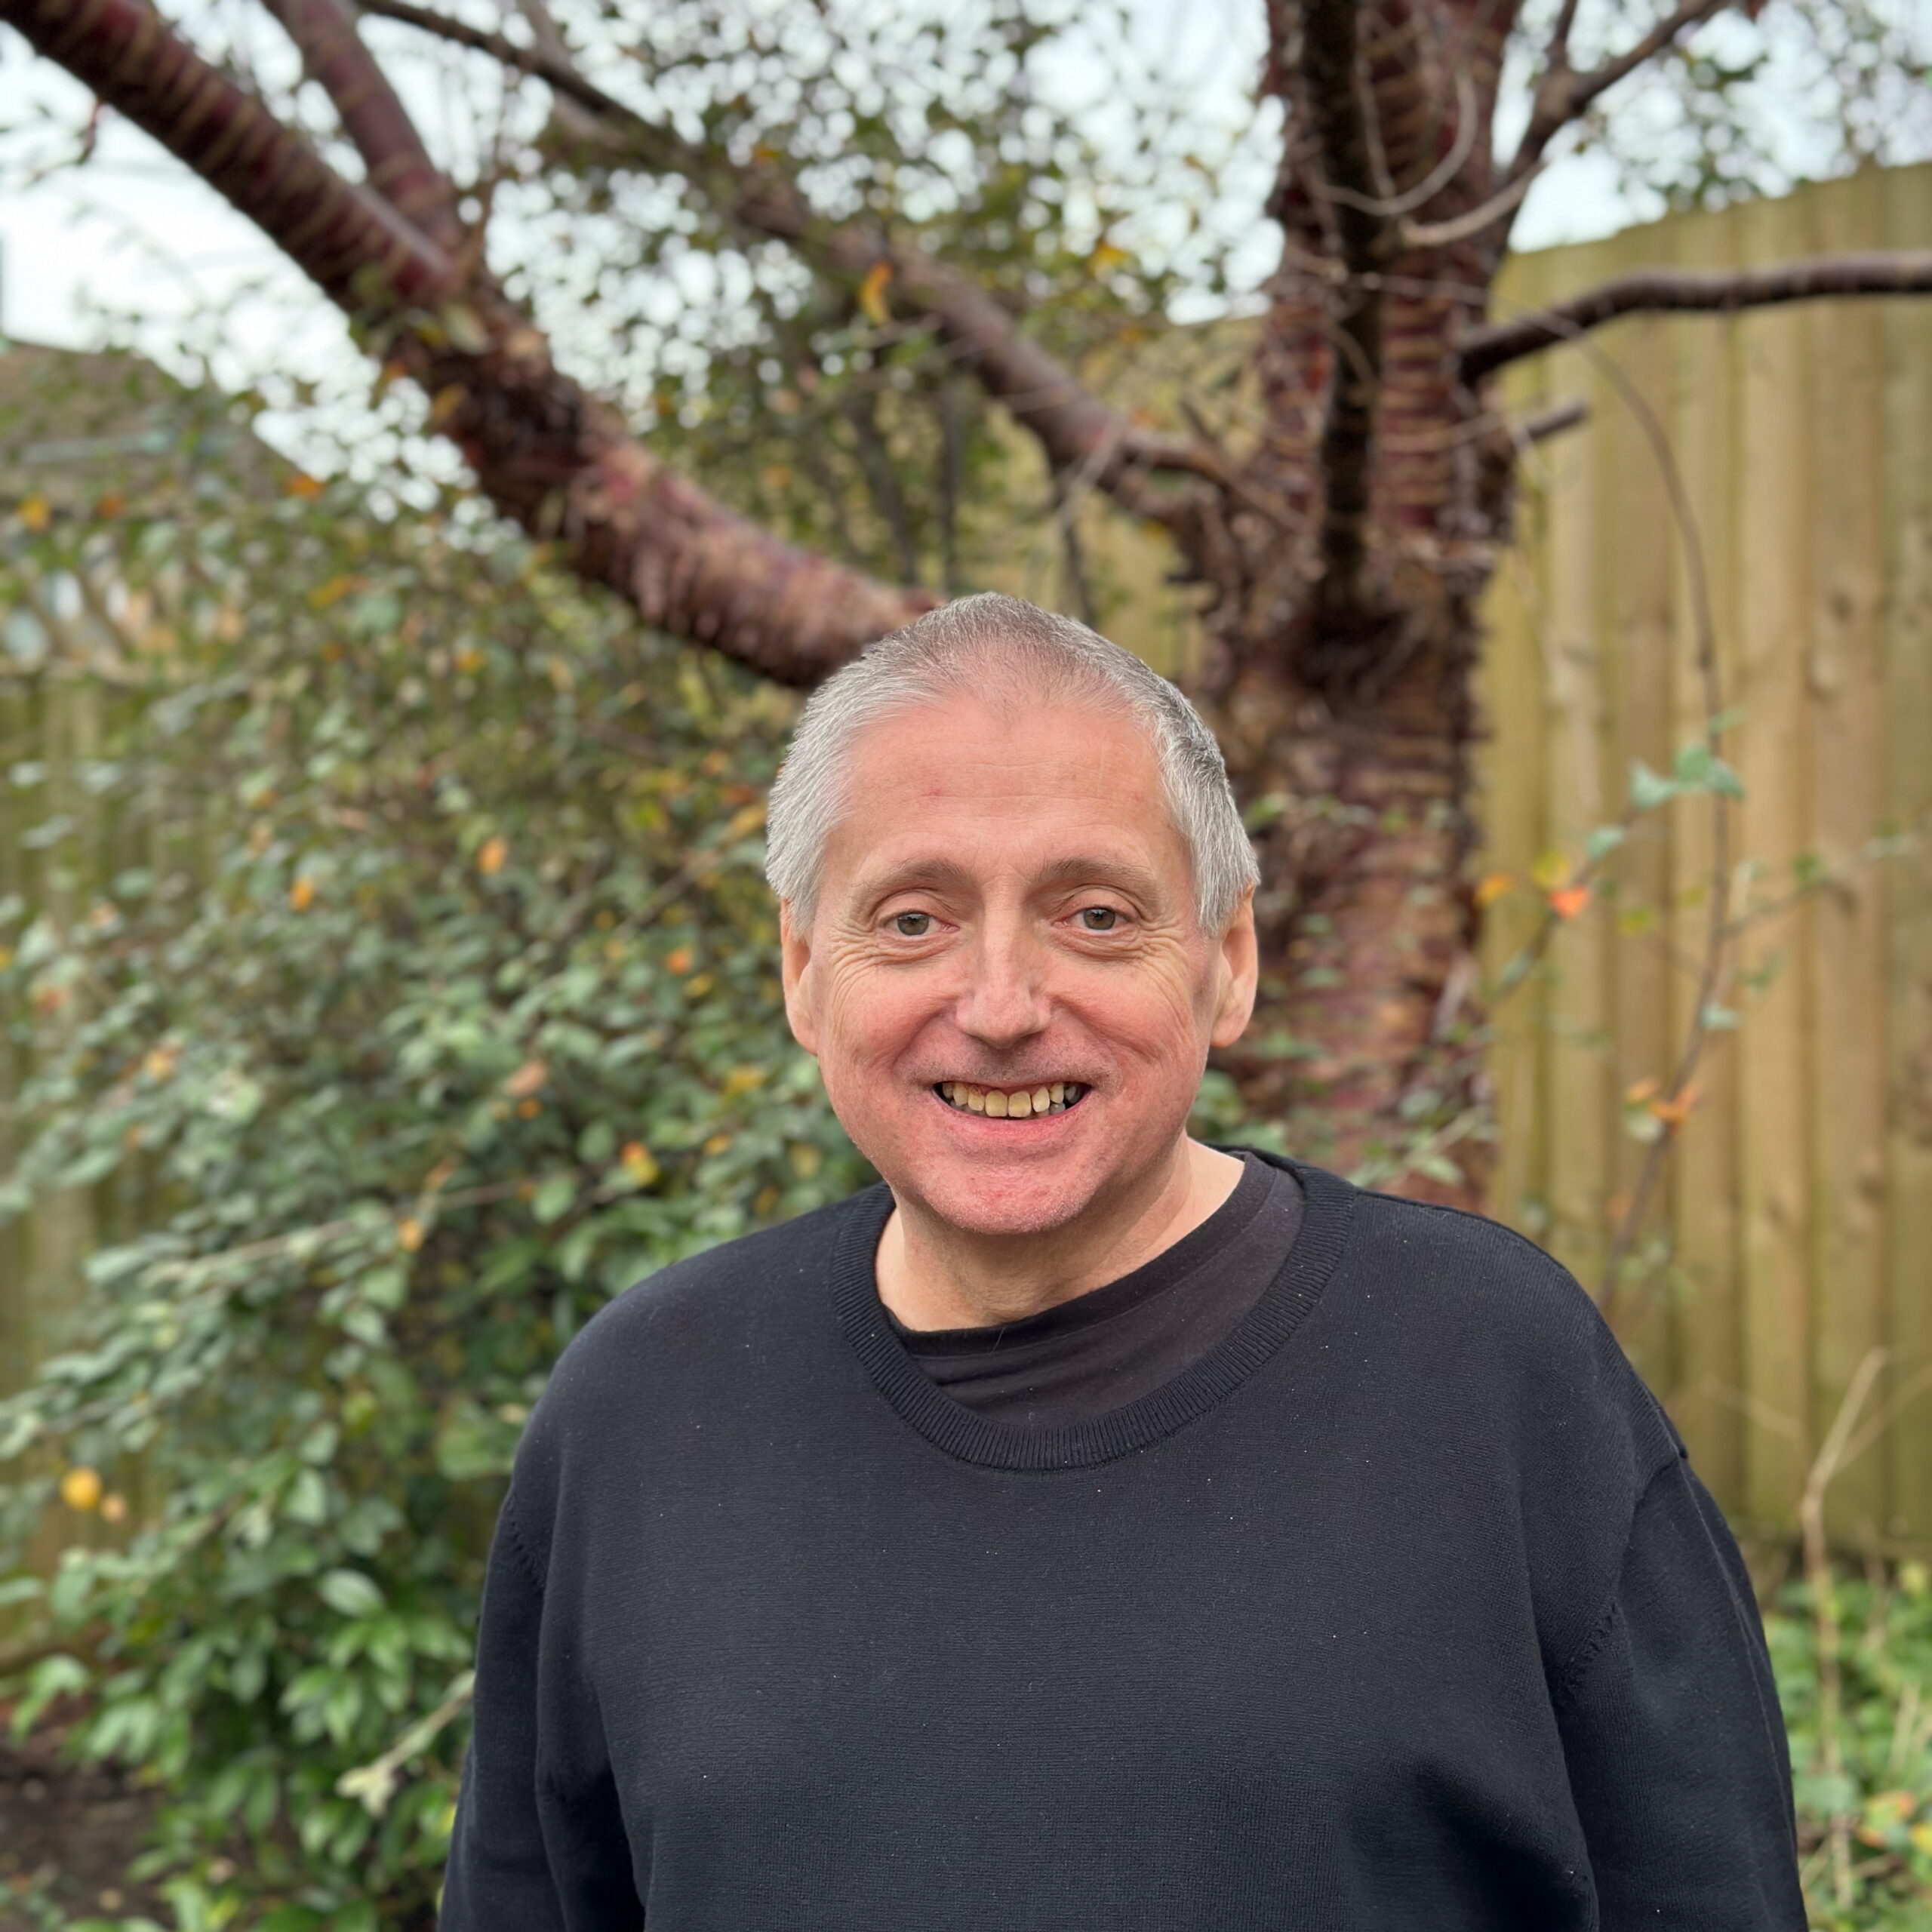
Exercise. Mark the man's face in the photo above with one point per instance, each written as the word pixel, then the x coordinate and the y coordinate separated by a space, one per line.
pixel 1006 909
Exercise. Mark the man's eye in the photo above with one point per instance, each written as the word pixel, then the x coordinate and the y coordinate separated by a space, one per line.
pixel 913 925
pixel 1098 918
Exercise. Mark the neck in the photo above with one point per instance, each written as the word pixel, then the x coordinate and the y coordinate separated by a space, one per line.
pixel 933 1274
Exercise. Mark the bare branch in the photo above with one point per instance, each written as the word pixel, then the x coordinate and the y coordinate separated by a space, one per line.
pixel 1040 392
pixel 399 166
pixel 1462 227
pixel 560 462
pixel 1655 290
pixel 1562 93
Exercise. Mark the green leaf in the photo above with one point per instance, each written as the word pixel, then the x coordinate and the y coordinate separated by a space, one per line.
pixel 306 1500
pixel 349 1592
pixel 553 1199
pixel 1647 790
pixel 57 1676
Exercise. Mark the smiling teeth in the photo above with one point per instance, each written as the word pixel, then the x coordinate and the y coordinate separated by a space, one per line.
pixel 1015 1103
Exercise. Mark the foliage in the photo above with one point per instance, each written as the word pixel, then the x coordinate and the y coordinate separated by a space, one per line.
pixel 1873 1873
pixel 433 1001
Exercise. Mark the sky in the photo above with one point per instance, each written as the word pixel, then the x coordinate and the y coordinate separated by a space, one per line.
pixel 136 243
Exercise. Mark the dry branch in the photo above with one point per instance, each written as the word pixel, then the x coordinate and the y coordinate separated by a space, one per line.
pixel 1562 93
pixel 1660 290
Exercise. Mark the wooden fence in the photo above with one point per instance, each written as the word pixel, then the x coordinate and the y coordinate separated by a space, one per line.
pixel 1798 1206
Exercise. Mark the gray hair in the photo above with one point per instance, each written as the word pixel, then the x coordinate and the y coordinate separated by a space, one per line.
pixel 964 646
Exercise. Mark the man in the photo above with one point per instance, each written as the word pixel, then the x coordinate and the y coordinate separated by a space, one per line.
pixel 1088 1529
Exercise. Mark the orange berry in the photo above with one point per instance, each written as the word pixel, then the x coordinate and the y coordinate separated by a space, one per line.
pixel 81 1488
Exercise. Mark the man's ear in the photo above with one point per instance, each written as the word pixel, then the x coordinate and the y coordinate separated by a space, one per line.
pixel 1236 966
pixel 794 948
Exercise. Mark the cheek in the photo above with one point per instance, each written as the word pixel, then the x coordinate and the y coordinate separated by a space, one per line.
pixel 869 1016
pixel 1166 1006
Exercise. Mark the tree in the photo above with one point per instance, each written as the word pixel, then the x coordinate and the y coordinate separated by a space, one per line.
pixel 1340 533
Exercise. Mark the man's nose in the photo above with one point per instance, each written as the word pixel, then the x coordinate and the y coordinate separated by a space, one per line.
pixel 1004 1001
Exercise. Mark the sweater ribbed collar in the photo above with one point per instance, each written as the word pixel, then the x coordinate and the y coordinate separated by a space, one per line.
pixel 1327 1209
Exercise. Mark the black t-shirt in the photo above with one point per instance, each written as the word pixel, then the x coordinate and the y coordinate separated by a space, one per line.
pixel 1111 1346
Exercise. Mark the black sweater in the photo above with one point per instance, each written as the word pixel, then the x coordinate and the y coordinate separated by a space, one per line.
pixel 1400 1608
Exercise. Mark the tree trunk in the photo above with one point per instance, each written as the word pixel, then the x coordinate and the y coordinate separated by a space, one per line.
pixel 1366 1039
pixel 1340 664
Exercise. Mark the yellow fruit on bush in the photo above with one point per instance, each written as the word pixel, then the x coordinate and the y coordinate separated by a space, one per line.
pixel 80 1488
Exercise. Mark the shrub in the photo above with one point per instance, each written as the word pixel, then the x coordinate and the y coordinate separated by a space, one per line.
pixel 430 1000
pixel 1862 1749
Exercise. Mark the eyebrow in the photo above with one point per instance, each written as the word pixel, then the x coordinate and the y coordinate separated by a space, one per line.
pixel 943 874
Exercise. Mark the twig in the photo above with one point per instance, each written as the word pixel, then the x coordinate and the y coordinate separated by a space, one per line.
pixel 1717 933
pixel 1561 92
pixel 1460 228
pixel 1824 1605
pixel 373 1785
pixel 1437 178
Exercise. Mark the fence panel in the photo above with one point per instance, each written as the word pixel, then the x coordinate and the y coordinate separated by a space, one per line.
pixel 1799 1215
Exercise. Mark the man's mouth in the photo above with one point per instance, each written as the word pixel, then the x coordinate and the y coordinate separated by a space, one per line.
pixel 1052 1097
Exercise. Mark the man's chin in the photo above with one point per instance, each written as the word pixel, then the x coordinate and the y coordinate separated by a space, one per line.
pixel 1034 1212
pixel 993 1198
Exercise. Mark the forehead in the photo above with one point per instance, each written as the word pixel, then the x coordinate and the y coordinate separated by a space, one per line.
pixel 1000 787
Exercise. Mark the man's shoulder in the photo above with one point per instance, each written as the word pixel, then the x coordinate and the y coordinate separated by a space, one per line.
pixel 1472 1306
pixel 1471 1270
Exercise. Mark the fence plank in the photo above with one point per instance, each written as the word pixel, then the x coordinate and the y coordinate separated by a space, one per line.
pixel 1775 504
pixel 1702 1216
pixel 1845 712
pixel 1906 629
pixel 1580 1154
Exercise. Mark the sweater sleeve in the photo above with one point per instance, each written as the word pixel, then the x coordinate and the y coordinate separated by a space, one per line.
pixel 539 1842
pixel 1672 1735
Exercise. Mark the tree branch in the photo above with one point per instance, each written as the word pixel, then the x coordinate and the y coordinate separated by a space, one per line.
pixel 1040 392
pixel 399 166
pixel 1561 94
pixel 1657 290
pixel 560 462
